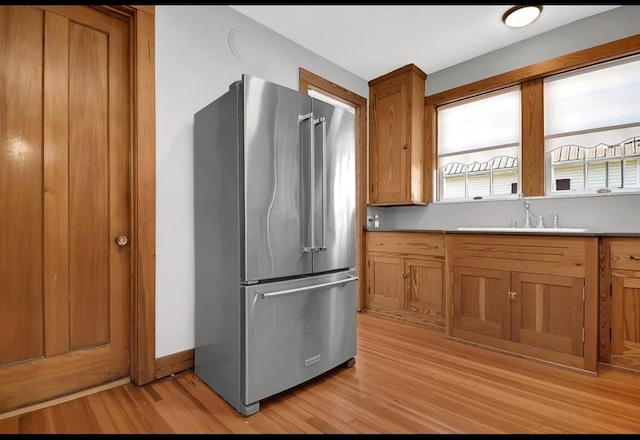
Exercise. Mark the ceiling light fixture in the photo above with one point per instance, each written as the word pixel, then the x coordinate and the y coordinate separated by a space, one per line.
pixel 521 15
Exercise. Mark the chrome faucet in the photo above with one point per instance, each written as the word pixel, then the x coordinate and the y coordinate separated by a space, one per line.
pixel 527 215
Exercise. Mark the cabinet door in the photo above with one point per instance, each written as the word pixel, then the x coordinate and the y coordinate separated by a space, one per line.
pixel 481 301
pixel 388 155
pixel 625 321
pixel 548 312
pixel 386 282
pixel 425 288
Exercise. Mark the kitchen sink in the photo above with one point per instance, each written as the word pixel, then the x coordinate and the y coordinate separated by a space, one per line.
pixel 526 230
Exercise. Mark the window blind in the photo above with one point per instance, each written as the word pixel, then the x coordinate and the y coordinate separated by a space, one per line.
pixel 605 95
pixel 487 121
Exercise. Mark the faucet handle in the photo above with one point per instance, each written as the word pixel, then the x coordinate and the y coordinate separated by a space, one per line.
pixel 555 218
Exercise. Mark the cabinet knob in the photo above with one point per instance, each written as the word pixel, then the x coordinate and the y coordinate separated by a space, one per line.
pixel 404 275
pixel 404 147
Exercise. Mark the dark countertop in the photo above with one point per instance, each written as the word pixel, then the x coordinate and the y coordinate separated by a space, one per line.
pixel 440 231
pixel 515 231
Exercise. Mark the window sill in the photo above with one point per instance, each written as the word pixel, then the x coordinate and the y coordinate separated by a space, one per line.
pixel 484 199
pixel 573 194
pixel 567 195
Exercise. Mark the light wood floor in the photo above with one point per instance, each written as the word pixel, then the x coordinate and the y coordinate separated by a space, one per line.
pixel 407 379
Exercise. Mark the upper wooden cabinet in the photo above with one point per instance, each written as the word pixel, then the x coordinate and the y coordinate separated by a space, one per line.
pixel 396 144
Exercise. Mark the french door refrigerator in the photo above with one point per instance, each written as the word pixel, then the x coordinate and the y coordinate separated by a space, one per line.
pixel 274 219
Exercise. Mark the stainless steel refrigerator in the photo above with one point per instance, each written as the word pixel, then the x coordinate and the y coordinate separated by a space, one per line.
pixel 275 279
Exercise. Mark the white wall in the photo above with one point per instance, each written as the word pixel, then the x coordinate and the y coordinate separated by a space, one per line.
pixel 603 213
pixel 195 65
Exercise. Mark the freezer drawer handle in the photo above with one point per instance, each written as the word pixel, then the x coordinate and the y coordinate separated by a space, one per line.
pixel 302 289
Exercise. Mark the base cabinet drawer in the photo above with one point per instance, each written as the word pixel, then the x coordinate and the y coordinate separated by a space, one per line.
pixel 625 255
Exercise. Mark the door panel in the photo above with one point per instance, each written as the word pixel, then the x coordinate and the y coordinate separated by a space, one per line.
pixel 481 301
pixel 426 286
pixel 68 129
pixel 625 321
pixel 21 314
pixel 386 283
pixel 56 197
pixel 89 241
pixel 335 187
pixel 548 312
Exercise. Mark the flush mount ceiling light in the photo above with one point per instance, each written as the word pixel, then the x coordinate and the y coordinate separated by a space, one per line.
pixel 521 15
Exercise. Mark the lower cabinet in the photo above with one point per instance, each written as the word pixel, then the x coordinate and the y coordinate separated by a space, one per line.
pixel 405 276
pixel 535 296
pixel 620 303
pixel 538 310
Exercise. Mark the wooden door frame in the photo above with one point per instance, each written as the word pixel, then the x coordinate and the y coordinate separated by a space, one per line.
pixel 310 81
pixel 141 21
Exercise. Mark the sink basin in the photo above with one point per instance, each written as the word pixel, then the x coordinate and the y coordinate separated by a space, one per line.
pixel 526 230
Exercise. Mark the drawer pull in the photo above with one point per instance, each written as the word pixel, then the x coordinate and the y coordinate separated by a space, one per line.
pixel 634 257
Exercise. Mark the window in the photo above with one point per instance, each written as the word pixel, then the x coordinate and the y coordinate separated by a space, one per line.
pixel 330 100
pixel 592 128
pixel 479 146
pixel 573 110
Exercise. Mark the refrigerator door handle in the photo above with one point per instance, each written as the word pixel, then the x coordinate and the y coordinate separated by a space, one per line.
pixel 264 295
pixel 312 191
pixel 323 121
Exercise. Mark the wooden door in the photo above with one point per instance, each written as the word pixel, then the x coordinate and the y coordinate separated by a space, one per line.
pixel 385 283
pixel 389 155
pixel 548 312
pixel 425 286
pixel 64 198
pixel 481 301
pixel 625 321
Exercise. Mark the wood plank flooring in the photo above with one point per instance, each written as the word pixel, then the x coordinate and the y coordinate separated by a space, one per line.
pixel 407 379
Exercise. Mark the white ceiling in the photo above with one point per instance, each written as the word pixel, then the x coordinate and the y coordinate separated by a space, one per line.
pixel 371 41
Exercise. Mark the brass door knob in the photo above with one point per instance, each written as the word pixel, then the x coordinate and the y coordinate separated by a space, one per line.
pixel 122 240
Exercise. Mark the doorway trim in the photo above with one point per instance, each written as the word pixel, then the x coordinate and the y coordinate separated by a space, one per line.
pixel 141 21
pixel 310 81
